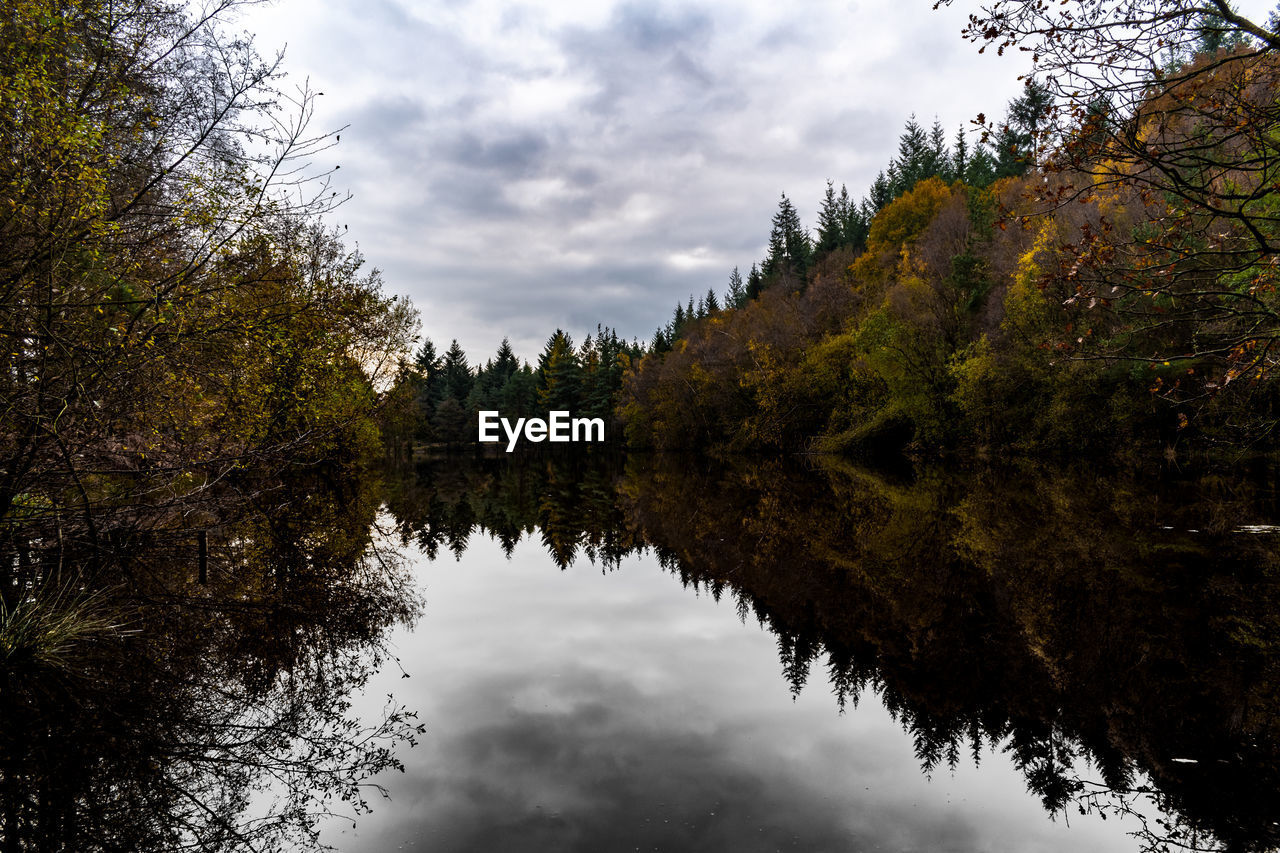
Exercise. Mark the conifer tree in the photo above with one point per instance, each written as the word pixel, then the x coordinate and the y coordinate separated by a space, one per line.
pixel 776 254
pixel 881 192
pixel 1018 138
pixel 456 373
pixel 710 302
pixel 755 282
pixel 914 160
pixel 831 221
pixel 430 387
pixel 519 395
pixel 939 160
pixel 980 170
pixel 559 375
pixel 736 295
pixel 506 363
pixel 426 360
pixel 960 157
pixel 790 250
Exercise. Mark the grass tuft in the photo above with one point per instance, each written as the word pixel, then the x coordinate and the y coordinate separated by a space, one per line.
pixel 53 627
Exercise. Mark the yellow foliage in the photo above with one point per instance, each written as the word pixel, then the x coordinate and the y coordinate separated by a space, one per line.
pixel 897 225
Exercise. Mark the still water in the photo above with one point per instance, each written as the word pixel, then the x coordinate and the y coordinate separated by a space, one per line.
pixel 589 710
pixel 766 658
pixel 595 653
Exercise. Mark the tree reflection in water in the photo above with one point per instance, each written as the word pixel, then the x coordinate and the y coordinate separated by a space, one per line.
pixel 216 717
pixel 1115 633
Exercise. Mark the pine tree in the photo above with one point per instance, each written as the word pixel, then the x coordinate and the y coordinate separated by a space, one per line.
pixel 1018 139
pixel 881 192
pixel 425 359
pixel 914 159
pixel 485 388
pixel 980 171
pixel 960 157
pixel 854 223
pixel 755 282
pixel 559 375
pixel 429 387
pixel 519 395
pixel 506 362
pixel 776 255
pixel 710 303
pixel 736 295
pixel 456 373
pixel 605 380
pixel 790 250
pixel 938 163
pixel 830 222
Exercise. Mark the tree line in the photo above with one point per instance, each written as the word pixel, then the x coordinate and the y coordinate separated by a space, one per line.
pixel 1098 272
pixel 794 254
pixel 436 397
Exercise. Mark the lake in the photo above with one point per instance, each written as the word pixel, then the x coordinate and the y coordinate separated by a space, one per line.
pixel 597 653
pixel 654 655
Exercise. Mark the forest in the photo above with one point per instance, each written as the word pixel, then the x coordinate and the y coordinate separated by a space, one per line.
pixel 1096 272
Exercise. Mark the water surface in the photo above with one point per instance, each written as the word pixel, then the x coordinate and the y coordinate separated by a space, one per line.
pixel 761 657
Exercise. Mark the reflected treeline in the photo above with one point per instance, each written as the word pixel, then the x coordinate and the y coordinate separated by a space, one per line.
pixel 145 707
pixel 1116 634
pixel 569 501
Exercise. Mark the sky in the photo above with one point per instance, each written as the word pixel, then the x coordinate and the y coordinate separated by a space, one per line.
pixel 521 167
pixel 652 718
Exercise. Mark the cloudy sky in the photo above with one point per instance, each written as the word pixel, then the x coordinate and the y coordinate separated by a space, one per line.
pixel 518 167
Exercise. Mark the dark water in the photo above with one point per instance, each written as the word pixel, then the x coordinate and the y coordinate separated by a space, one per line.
pixel 669 654
pixel 675 656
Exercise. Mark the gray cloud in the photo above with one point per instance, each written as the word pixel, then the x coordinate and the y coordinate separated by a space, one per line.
pixel 521 167
pixel 610 771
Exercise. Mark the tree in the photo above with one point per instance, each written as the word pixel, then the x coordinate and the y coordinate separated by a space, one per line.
pixel 736 295
pixel 1149 119
pixel 559 375
pixel 1019 138
pixel 939 160
pixel 174 312
pixel 881 192
pixel 831 222
pixel 755 282
pixel 854 221
pixel 790 250
pixel 455 373
pixel 960 156
pixel 710 302
pixel 505 364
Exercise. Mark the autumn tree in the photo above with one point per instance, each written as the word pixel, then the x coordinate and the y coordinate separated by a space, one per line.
pixel 174 312
pixel 1163 126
